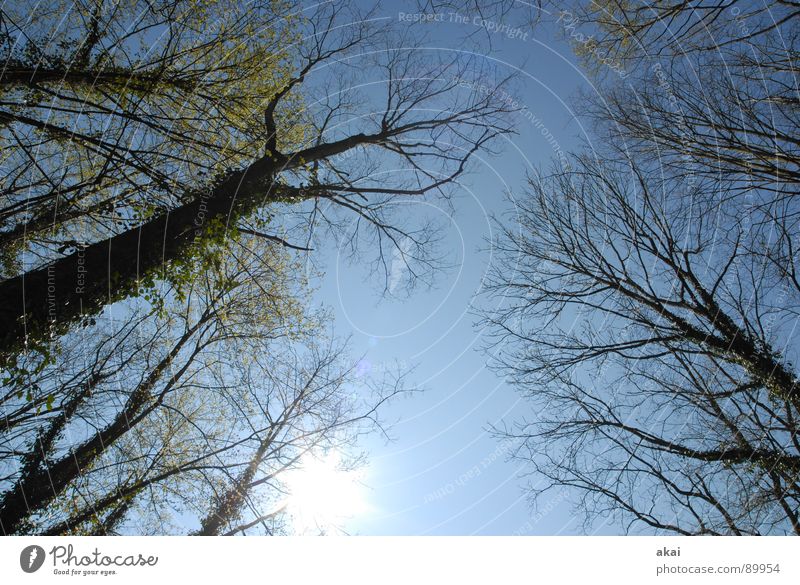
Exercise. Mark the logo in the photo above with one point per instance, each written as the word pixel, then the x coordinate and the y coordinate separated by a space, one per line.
pixel 31 558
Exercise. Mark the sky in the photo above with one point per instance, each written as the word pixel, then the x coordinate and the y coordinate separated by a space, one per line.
pixel 443 473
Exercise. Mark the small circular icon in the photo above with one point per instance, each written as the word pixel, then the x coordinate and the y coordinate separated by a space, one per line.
pixel 31 558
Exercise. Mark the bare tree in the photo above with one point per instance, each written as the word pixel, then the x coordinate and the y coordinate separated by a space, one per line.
pixel 710 88
pixel 657 350
pixel 313 414
pixel 283 407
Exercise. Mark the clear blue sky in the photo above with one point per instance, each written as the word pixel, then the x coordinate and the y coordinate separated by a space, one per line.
pixel 443 474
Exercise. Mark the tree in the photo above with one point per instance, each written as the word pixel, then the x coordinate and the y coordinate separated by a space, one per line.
pixel 232 482
pixel 194 403
pixel 657 350
pixel 651 280
pixel 162 163
pixel 427 125
pixel 112 113
pixel 710 87
pixel 626 32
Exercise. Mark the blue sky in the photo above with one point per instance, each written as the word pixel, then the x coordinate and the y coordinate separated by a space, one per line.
pixel 443 474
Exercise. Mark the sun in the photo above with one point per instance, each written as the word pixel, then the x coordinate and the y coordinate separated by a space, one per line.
pixel 322 496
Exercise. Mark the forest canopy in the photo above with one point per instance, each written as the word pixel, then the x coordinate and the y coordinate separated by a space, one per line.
pixel 163 165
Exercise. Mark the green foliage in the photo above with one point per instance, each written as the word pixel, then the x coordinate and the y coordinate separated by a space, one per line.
pixel 176 99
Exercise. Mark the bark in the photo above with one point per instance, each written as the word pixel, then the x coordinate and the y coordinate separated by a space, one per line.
pixel 25 76
pixel 51 298
pixel 233 499
pixel 45 302
pixel 39 485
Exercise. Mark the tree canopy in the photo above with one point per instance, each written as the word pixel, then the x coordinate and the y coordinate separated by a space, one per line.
pixel 164 164
pixel 650 279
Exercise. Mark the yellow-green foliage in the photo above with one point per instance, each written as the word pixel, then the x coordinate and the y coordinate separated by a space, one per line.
pixel 184 84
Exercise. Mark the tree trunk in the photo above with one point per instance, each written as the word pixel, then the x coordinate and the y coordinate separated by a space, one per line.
pixel 231 502
pixel 40 304
pixel 45 302
pixel 27 76
pixel 39 485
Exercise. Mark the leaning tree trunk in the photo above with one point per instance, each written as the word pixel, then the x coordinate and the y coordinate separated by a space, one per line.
pixel 42 303
pixel 230 504
pixel 46 301
pixel 40 484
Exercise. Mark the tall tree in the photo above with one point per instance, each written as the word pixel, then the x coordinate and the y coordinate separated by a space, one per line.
pixel 427 124
pixel 160 161
pixel 626 32
pixel 658 351
pixel 195 406
pixel 111 112
pixel 650 281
